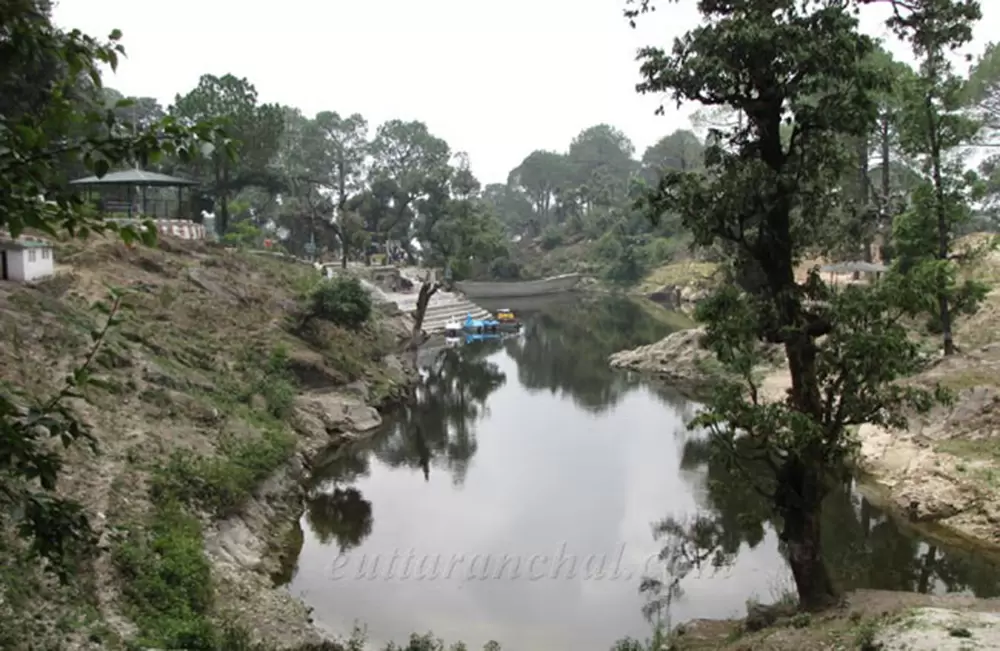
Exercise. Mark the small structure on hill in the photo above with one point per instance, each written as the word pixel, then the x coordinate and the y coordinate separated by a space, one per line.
pixel 131 193
pixel 26 259
pixel 855 269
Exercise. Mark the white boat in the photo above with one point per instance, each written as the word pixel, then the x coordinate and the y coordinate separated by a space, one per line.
pixel 519 288
pixel 453 332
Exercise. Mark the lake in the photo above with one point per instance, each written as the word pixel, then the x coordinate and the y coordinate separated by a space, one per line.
pixel 517 500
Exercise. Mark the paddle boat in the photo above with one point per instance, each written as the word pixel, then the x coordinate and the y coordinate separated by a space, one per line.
pixel 508 320
pixel 480 326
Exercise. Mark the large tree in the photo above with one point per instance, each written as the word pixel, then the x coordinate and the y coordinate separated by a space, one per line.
pixel 539 176
pixel 679 151
pixel 796 74
pixel 600 159
pixel 932 130
pixel 256 128
pixel 406 157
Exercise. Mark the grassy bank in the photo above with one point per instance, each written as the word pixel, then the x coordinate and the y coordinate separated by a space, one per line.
pixel 195 410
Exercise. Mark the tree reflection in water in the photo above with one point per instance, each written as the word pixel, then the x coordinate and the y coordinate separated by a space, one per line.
pixel 437 428
pixel 440 425
pixel 335 509
pixel 565 347
pixel 864 547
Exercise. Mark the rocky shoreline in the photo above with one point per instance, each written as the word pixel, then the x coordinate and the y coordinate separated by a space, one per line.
pixel 248 549
pixel 942 471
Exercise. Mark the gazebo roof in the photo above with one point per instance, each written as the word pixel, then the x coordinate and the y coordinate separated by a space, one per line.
pixel 135 177
pixel 851 267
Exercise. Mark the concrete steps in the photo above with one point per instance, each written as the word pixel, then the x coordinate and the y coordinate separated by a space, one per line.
pixel 444 307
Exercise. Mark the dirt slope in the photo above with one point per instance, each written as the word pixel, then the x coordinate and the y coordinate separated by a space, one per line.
pixel 212 397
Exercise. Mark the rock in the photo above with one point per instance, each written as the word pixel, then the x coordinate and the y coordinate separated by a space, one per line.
pixel 677 359
pixel 333 413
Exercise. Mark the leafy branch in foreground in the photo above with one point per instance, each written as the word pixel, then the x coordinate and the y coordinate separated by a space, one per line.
pixel 37 146
pixel 57 527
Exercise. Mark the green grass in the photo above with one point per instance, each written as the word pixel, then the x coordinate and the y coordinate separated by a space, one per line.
pixel 677 273
pixel 167 581
pixel 223 483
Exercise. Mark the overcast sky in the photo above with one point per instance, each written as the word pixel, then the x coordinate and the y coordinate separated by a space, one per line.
pixel 494 79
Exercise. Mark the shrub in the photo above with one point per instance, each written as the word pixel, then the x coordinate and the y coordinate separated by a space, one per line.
pixel 505 269
pixel 341 300
pixel 222 484
pixel 551 238
pixel 168 581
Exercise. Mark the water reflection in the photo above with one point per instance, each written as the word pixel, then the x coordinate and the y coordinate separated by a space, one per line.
pixel 565 349
pixel 532 446
pixel 335 509
pixel 863 547
pixel 440 424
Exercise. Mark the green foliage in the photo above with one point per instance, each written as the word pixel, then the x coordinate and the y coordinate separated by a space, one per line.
pixel 341 300
pixel 256 130
pixel 551 238
pixel 243 233
pixel 63 131
pixel 932 126
pixel 768 192
pixel 505 269
pixel 167 581
pixel 221 484
pixel 427 642
pixel 268 379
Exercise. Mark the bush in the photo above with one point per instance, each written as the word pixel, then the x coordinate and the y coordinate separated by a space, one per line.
pixel 505 269
pixel 222 484
pixel 168 581
pixel 551 238
pixel 661 250
pixel 341 300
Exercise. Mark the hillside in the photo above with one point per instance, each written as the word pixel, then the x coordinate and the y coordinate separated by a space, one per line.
pixel 212 393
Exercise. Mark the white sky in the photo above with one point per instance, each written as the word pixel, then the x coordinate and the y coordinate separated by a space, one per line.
pixel 494 79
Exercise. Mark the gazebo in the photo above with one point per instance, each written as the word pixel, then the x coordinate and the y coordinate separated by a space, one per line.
pixel 116 193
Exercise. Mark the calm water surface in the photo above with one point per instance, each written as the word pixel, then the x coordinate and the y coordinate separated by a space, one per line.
pixel 517 500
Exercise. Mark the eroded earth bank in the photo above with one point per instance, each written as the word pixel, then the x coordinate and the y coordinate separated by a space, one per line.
pixel 216 389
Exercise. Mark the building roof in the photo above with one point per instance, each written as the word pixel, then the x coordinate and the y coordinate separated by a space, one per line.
pixel 135 177
pixel 851 267
pixel 23 242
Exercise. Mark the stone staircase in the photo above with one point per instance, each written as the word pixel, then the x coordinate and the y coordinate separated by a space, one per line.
pixel 444 307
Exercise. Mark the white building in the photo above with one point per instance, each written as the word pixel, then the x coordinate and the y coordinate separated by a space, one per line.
pixel 26 259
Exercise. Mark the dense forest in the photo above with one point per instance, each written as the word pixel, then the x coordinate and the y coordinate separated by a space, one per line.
pixel 330 178
pixel 334 178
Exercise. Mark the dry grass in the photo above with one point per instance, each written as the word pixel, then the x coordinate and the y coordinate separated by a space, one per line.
pixel 685 273
pixel 186 370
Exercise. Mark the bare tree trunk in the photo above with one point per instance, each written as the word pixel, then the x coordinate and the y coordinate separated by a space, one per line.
pixel 944 236
pixel 799 504
pixel 427 289
pixel 864 228
pixel 885 225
